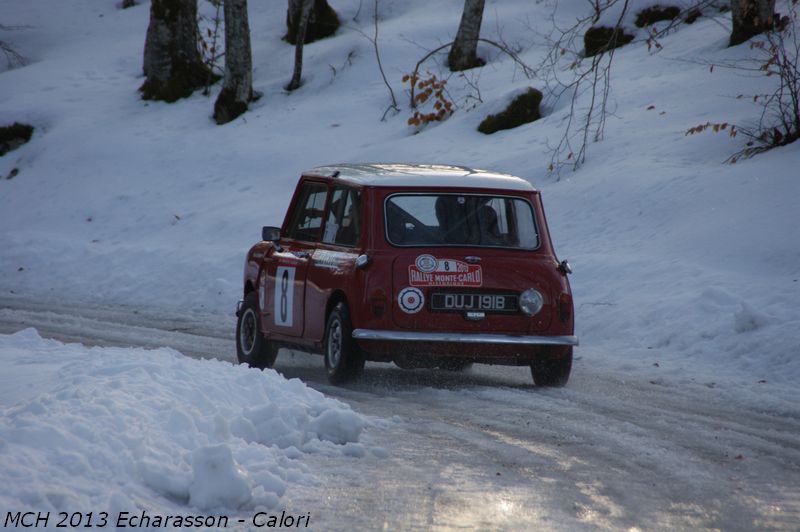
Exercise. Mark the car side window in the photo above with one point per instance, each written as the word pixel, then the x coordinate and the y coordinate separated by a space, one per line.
pixel 343 225
pixel 306 220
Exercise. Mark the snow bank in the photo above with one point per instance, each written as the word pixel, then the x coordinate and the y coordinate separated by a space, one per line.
pixel 114 428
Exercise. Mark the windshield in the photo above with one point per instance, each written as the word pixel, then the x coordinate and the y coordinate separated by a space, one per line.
pixel 460 220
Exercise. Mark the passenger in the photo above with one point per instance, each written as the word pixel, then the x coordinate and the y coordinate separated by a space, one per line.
pixel 452 219
pixel 489 231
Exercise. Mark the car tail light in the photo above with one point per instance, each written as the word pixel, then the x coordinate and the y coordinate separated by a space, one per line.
pixel 564 307
pixel 377 302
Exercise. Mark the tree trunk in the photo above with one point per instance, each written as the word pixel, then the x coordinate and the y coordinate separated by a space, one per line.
pixel 323 21
pixel 172 65
pixel 237 89
pixel 751 17
pixel 463 54
pixel 305 15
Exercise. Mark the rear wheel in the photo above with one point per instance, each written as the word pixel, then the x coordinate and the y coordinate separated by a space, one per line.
pixel 552 371
pixel 344 361
pixel 251 346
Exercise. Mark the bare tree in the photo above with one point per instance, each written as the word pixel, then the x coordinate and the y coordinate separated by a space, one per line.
pixel 210 49
pixel 322 21
pixel 568 73
pixel 12 56
pixel 751 17
pixel 305 14
pixel 776 55
pixel 464 52
pixel 374 40
pixel 237 89
pixel 172 65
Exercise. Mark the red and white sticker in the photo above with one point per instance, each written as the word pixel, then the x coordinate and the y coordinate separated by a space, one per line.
pixel 430 271
pixel 410 300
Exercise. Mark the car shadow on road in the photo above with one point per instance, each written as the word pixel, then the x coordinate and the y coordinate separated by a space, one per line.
pixel 381 378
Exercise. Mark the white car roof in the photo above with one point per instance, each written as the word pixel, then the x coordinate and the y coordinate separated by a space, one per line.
pixel 427 175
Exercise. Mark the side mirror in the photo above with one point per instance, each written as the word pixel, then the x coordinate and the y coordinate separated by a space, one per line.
pixel 564 267
pixel 270 234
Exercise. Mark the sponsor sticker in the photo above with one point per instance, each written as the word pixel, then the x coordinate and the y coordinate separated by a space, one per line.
pixel 426 263
pixel 332 260
pixel 410 300
pixel 429 271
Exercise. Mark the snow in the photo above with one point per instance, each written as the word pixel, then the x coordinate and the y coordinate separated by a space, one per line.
pixel 416 175
pixel 687 270
pixel 103 427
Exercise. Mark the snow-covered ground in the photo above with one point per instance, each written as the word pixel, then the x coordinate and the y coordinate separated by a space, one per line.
pixel 120 429
pixel 687 270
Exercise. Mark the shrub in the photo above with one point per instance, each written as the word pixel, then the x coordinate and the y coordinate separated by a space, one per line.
pixel 14 136
pixel 657 13
pixel 778 58
pixel 432 93
pixel 323 22
pixel 522 110
pixel 598 39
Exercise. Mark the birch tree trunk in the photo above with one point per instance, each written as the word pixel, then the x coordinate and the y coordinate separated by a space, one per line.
pixel 172 65
pixel 237 89
pixel 750 17
pixel 323 21
pixel 464 52
pixel 305 15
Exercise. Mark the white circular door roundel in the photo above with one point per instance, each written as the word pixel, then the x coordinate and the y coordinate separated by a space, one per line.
pixel 410 300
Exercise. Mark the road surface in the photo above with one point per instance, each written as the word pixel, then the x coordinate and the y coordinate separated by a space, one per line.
pixel 487 450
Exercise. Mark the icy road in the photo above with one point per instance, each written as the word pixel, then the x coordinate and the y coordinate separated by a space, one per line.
pixel 487 450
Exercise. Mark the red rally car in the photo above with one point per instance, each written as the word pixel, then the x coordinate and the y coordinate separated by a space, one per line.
pixel 422 265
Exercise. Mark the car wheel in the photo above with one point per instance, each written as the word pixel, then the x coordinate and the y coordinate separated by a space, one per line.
pixel 251 346
pixel 344 361
pixel 552 371
pixel 455 364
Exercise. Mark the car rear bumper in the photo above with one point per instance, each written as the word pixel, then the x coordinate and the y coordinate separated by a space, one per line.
pixel 463 338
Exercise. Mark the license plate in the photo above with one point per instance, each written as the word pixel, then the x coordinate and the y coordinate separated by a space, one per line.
pixel 452 301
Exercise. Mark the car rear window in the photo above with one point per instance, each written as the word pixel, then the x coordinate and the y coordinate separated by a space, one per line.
pixel 460 220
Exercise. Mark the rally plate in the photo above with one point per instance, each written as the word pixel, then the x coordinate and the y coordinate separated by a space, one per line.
pixel 474 301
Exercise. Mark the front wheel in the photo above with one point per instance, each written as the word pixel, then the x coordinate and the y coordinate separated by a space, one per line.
pixel 344 361
pixel 552 372
pixel 251 346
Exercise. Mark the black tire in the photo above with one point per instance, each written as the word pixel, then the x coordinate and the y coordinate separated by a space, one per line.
pixel 344 361
pixel 552 372
pixel 455 364
pixel 251 346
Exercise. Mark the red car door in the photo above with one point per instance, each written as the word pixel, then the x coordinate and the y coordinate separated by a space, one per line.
pixel 332 265
pixel 283 290
pixel 285 273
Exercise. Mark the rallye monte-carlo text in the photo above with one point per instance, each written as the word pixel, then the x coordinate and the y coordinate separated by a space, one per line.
pixel 422 265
